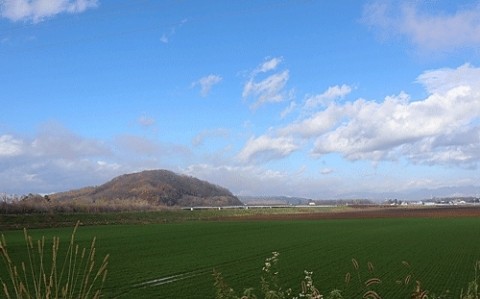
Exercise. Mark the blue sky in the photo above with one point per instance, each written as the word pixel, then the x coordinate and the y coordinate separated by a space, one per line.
pixel 321 99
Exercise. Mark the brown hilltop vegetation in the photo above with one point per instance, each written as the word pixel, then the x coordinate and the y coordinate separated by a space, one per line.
pixel 157 187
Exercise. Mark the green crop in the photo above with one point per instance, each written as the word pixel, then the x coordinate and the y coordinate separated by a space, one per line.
pixel 177 260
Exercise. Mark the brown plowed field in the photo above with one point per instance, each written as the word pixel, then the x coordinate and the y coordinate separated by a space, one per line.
pixel 374 212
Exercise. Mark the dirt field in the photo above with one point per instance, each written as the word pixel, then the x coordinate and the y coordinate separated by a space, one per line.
pixel 375 212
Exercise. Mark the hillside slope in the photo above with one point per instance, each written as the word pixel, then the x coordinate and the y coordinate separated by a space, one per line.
pixel 158 187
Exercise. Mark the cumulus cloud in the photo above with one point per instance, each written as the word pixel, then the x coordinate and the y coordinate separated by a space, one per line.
pixel 445 79
pixel 38 10
pixel 321 121
pixel 377 130
pixel 267 90
pixel 206 83
pixel 442 128
pixel 315 125
pixel 461 147
pixel 427 130
pixel 266 148
pixel 423 27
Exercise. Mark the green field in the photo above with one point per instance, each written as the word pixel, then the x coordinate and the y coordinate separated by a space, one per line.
pixel 176 260
pixel 50 220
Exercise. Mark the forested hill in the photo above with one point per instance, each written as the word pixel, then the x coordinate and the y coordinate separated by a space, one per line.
pixel 158 187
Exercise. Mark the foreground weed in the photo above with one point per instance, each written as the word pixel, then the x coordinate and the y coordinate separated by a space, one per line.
pixel 271 289
pixel 270 285
pixel 365 284
pixel 473 289
pixel 42 276
pixel 269 281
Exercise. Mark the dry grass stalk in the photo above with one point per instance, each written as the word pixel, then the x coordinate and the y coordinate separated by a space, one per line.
pixel 77 277
pixel 355 263
pixel 418 293
pixel 407 279
pixel 370 267
pixel 371 295
pixel 372 281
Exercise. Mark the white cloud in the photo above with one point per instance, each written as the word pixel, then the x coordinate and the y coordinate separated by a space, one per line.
pixel 332 93
pixel 267 66
pixel 267 90
pixel 442 128
pixel 314 125
pixel 38 10
pixel 460 148
pixel 81 5
pixel 206 83
pixel 445 79
pixel 428 31
pixel 289 109
pixel 398 126
pixel 10 146
pixel 266 148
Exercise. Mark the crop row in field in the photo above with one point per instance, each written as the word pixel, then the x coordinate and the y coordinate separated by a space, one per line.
pixel 176 260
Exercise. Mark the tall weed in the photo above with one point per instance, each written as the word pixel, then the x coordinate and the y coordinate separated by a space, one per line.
pixel 271 289
pixel 45 276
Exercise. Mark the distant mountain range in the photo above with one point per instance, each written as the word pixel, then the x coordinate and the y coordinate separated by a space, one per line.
pixel 157 187
pixel 417 194
pixel 368 197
